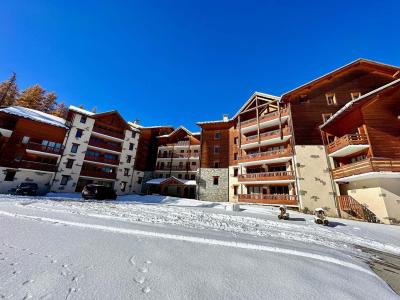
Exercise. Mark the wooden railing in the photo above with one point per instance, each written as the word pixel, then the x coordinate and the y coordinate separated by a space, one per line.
pixel 177 168
pixel 346 140
pixel 265 155
pixel 98 174
pixel 375 164
pixel 105 145
pixel 178 155
pixel 118 135
pixel 351 206
pixel 102 159
pixel 43 148
pixel 32 165
pixel 266 135
pixel 264 118
pixel 280 175
pixel 280 199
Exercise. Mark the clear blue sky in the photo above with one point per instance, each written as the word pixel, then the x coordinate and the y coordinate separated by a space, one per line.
pixel 178 62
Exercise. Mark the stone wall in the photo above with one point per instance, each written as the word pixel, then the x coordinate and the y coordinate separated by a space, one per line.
pixel 207 191
pixel 42 179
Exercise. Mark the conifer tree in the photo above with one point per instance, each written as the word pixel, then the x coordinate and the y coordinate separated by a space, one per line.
pixel 9 91
pixel 60 110
pixel 35 97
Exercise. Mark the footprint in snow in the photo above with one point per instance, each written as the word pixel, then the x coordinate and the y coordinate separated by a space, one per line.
pixel 28 296
pixel 148 262
pixel 143 270
pixel 28 281
pixel 132 260
pixel 146 290
pixel 140 279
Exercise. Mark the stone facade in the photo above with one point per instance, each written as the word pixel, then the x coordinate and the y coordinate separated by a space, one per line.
pixel 207 190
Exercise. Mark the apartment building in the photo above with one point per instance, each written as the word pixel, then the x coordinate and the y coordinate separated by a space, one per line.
pixel 31 145
pixel 272 150
pixel 100 148
pixel 177 164
pixel 363 141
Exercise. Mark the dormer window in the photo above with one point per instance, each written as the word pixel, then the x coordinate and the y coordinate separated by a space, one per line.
pixel 355 95
pixel 330 99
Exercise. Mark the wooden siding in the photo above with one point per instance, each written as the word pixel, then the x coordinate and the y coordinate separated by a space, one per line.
pixel 208 157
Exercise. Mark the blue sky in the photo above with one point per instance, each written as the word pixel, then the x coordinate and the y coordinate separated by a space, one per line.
pixel 178 62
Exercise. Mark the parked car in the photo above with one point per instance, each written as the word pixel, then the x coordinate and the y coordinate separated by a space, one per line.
pixel 27 189
pixel 98 192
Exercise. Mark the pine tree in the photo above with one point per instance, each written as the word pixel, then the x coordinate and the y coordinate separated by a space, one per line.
pixel 9 91
pixel 35 97
pixel 94 109
pixel 60 110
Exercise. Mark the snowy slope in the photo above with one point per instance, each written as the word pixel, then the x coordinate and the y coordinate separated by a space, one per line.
pixel 169 248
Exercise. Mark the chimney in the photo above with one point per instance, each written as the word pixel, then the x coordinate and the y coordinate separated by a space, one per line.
pixel 136 121
pixel 225 117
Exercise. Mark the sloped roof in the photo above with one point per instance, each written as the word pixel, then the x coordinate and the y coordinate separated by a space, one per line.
pixel 158 181
pixel 34 115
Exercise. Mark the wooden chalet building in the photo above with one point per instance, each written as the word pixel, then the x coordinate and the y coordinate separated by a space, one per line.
pixel 363 143
pixel 31 145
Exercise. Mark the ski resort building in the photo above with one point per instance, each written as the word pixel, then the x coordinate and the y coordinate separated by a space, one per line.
pixel 31 146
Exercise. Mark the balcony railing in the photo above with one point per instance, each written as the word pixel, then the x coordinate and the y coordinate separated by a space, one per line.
pixel 178 155
pixel 101 159
pixel 177 168
pixel 43 148
pixel 266 135
pixel 346 140
pixel 351 206
pixel 104 145
pixel 32 165
pixel 374 164
pixel 118 135
pixel 280 175
pixel 264 118
pixel 98 174
pixel 265 155
pixel 275 199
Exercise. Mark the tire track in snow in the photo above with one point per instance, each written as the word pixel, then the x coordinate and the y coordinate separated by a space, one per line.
pixel 197 240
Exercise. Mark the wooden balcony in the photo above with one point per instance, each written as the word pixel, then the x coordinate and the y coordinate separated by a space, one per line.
pixel 104 145
pixel 178 155
pixel 273 199
pixel 177 168
pixel 108 132
pixel 266 176
pixel 374 164
pixel 42 148
pixel 348 144
pixel 32 165
pixel 103 160
pixel 287 152
pixel 264 118
pixel 98 174
pixel 266 136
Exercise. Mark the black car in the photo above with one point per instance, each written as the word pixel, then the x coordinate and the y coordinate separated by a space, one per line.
pixel 98 192
pixel 27 189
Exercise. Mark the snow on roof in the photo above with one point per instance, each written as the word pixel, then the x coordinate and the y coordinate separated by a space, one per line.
pixel 161 180
pixel 34 115
pixel 352 102
pixel 81 110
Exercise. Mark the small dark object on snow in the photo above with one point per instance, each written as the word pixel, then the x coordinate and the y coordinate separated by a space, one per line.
pixel 283 215
pixel 319 217
pixel 98 192
pixel 27 189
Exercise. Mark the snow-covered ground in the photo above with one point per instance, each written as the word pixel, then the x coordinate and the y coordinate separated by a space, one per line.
pixel 154 247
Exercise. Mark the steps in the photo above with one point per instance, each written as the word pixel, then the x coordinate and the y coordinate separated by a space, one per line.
pixel 351 206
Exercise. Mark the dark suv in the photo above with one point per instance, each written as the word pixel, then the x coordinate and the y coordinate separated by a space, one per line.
pixel 98 192
pixel 27 189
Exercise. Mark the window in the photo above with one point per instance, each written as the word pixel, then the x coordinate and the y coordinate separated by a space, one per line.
pixel 355 95
pixel 161 176
pixel 235 190
pixel 126 172
pixel 123 186
pixel 192 177
pixel 74 148
pixel 196 151
pixel 69 164
pixel 131 146
pixel 10 175
pixel 235 141
pixel 217 135
pixel 235 156
pixel 330 99
pixel 215 180
pixel 182 151
pixel 128 158
pixel 83 119
pixel 325 117
pixel 216 149
pixel 358 158
pixel 64 179
pixel 279 189
pixel 235 172
pixel 133 134
pixel 186 176
pixel 78 133
pixel 304 99
pixel 18 158
pixel 25 140
pixel 139 180
pixel 216 164
pixel 179 176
